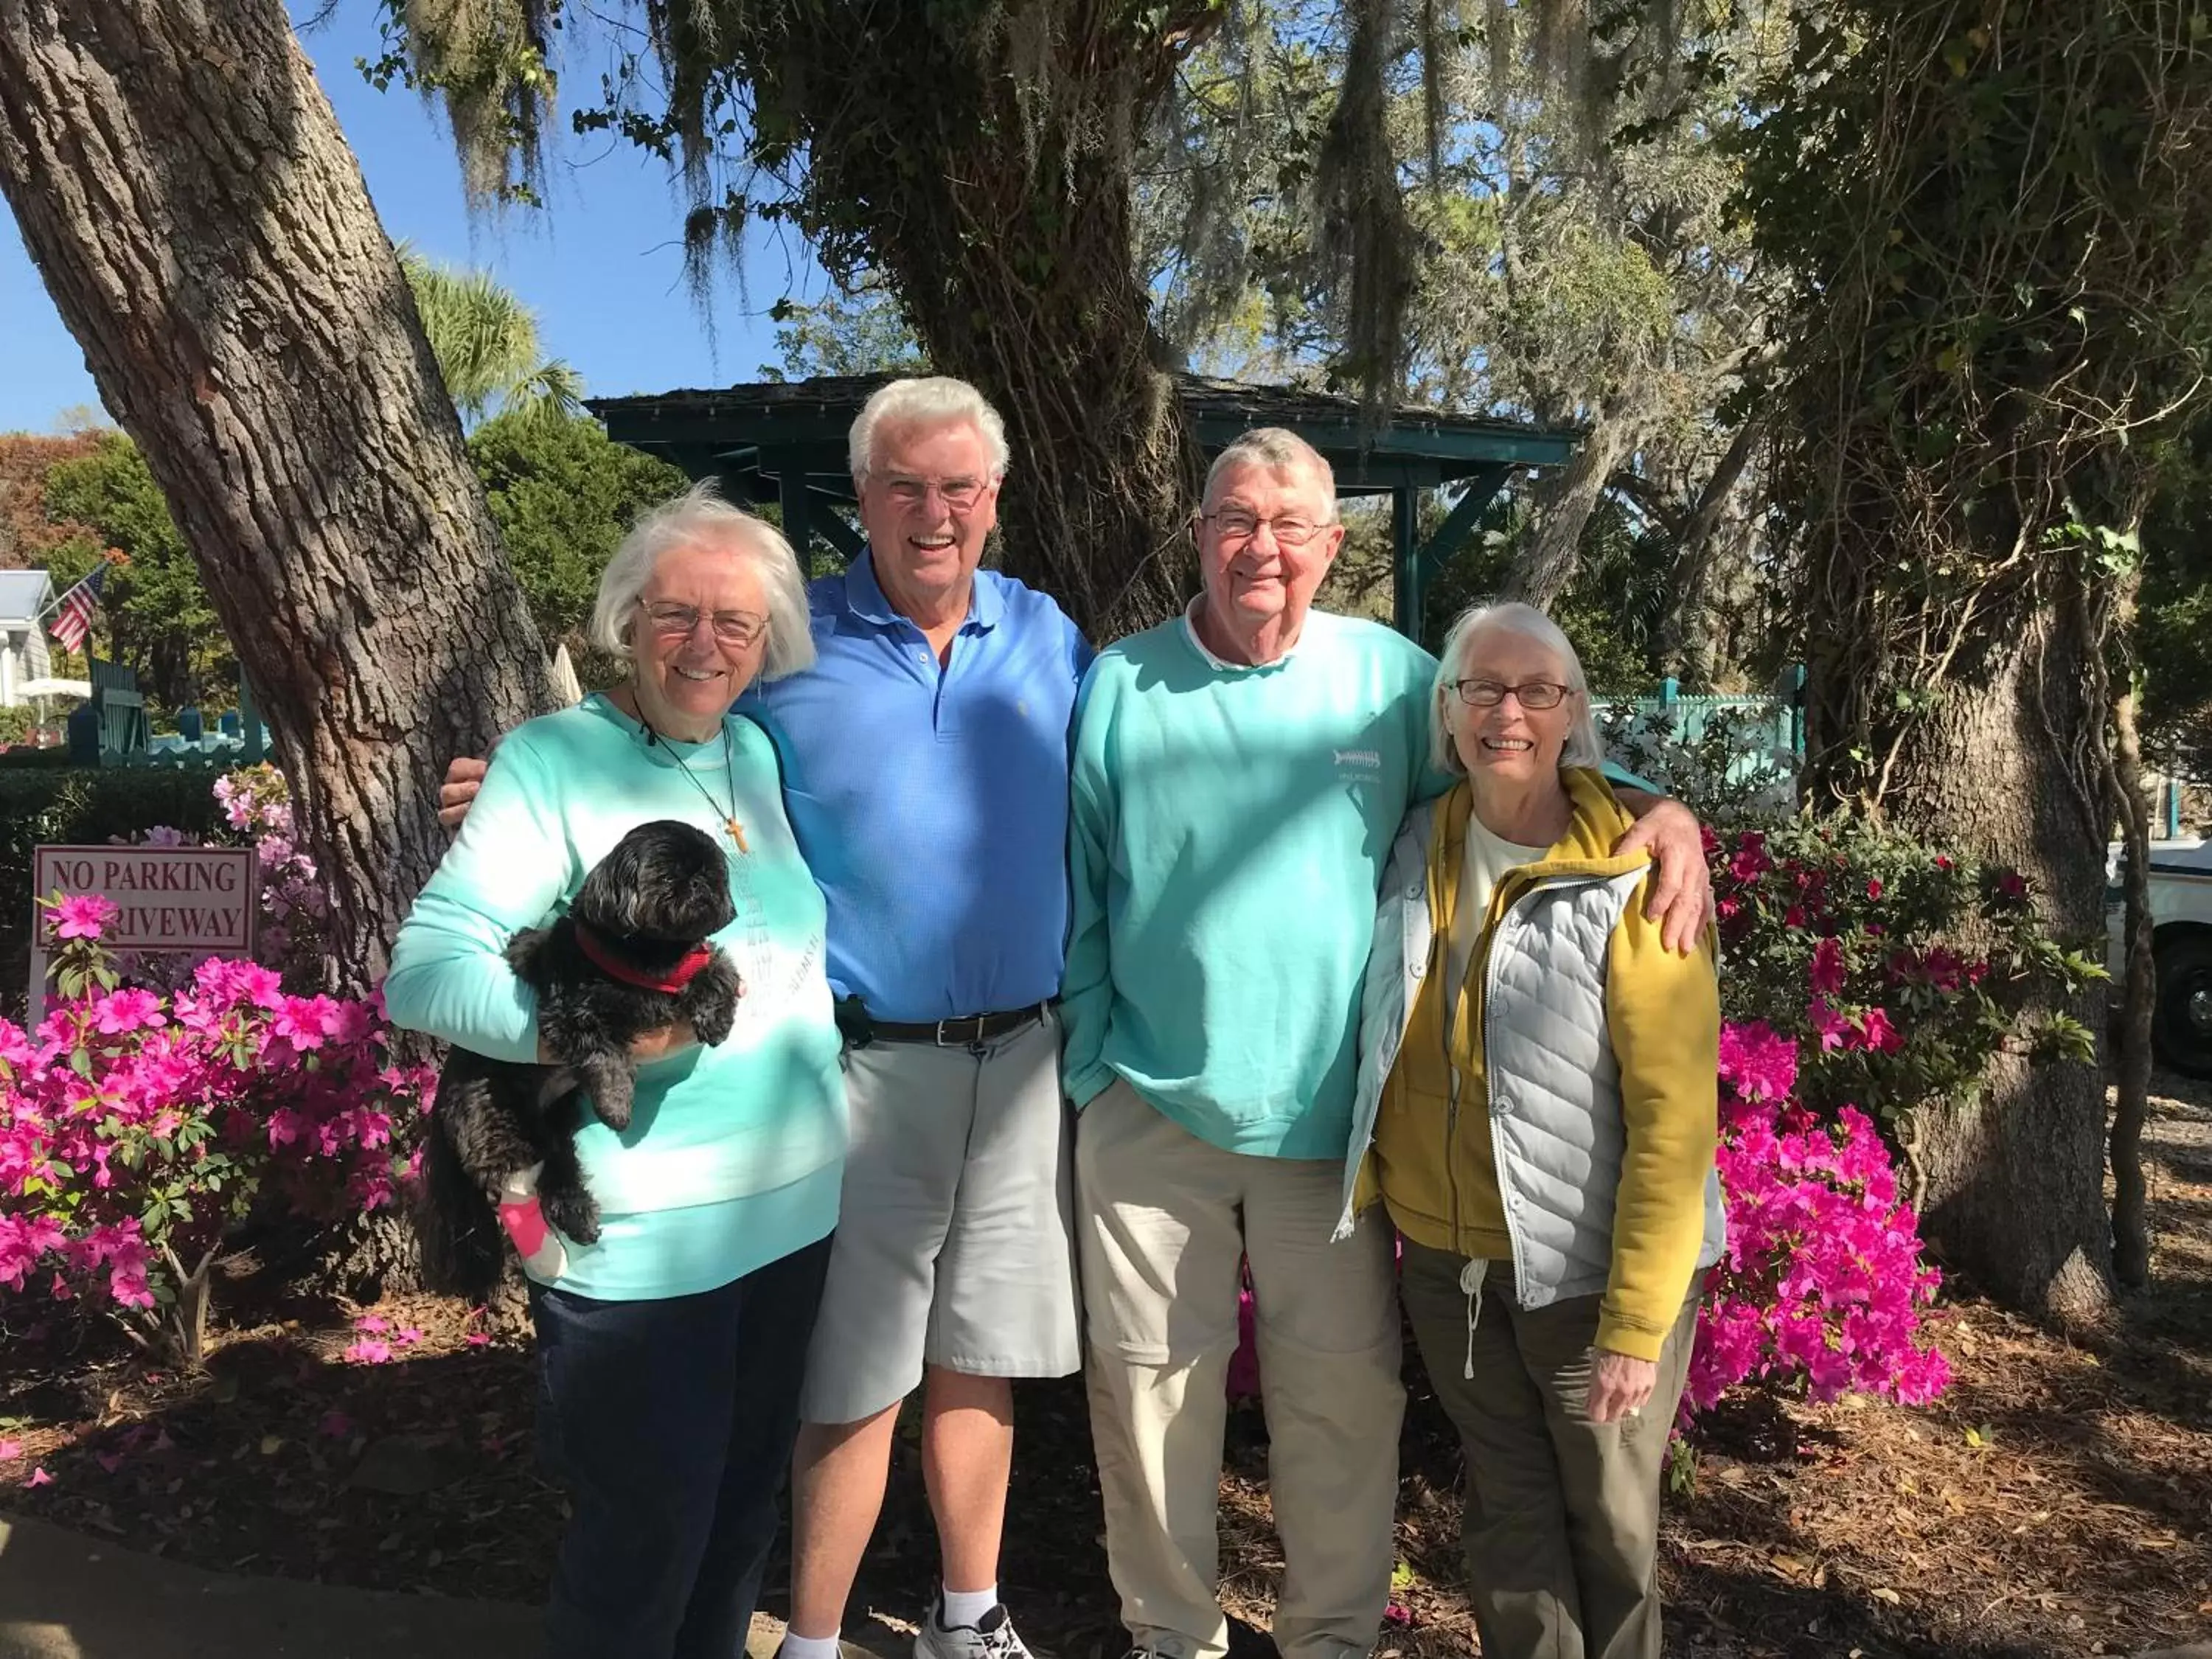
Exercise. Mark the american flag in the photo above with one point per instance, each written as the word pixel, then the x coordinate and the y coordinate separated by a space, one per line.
pixel 73 619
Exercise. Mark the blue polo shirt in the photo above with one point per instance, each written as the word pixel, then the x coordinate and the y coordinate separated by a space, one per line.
pixel 932 803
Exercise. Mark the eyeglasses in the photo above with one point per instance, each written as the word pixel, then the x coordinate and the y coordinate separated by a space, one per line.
pixel 1234 524
pixel 959 493
pixel 734 628
pixel 1536 695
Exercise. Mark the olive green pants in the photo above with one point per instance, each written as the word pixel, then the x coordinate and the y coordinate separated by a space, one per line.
pixel 1562 1516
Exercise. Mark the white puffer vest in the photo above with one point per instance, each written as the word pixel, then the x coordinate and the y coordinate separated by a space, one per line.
pixel 1554 1085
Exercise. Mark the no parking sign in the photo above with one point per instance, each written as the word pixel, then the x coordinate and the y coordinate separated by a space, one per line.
pixel 199 900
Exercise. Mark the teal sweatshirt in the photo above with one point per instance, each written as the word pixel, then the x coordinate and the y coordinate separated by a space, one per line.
pixel 1228 829
pixel 734 1156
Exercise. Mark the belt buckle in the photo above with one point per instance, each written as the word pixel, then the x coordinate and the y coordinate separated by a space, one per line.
pixel 958 1043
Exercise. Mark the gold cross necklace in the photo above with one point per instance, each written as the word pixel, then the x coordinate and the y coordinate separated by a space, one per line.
pixel 729 816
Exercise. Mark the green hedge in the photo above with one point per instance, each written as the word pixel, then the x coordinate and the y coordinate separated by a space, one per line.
pixel 27 758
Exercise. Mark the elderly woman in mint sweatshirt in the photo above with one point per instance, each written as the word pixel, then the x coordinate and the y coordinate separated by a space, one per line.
pixel 670 1350
pixel 1537 1084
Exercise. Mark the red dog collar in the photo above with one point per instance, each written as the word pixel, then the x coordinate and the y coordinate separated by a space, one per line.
pixel 686 968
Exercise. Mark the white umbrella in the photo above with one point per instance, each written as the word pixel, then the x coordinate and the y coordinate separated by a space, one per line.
pixel 52 688
pixel 564 678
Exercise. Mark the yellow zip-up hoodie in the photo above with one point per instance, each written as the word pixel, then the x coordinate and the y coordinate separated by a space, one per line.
pixel 1434 1163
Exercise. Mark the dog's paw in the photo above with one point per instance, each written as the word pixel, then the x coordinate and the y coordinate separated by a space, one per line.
pixel 615 1114
pixel 574 1215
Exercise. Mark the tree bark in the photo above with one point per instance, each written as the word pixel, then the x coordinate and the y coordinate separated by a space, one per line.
pixel 1545 564
pixel 1692 574
pixel 1106 474
pixel 2016 1193
pixel 184 189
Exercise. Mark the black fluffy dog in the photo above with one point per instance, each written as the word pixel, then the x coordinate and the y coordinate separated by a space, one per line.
pixel 631 956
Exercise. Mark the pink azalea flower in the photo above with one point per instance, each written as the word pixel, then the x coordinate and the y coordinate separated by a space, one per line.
pixel 304 1022
pixel 1879 1033
pixel 372 1323
pixel 40 1478
pixel 1750 860
pixel 1828 969
pixel 1833 1029
pixel 82 915
pixel 129 1010
pixel 369 1352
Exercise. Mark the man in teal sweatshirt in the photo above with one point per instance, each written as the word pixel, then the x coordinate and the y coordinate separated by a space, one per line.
pixel 1238 775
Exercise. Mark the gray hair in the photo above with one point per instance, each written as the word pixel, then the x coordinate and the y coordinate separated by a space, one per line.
pixel 1581 748
pixel 1272 449
pixel 700 518
pixel 929 400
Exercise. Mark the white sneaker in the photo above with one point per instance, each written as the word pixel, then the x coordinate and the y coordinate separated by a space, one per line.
pixel 991 1637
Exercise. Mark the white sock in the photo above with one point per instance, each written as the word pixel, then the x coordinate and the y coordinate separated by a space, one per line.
pixel 960 1607
pixel 796 1646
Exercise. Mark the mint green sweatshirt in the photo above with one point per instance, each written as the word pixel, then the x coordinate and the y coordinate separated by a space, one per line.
pixel 1229 826
pixel 735 1153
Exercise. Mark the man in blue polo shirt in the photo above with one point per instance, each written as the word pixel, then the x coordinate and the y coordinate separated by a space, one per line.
pixel 925 762
pixel 925 769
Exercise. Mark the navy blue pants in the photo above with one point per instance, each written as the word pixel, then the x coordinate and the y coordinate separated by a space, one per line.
pixel 670 1423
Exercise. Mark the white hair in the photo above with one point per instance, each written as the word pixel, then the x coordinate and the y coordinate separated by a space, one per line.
pixel 928 401
pixel 1581 748
pixel 1274 449
pixel 700 518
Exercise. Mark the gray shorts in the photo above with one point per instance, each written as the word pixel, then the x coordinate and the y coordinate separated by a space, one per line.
pixel 955 1244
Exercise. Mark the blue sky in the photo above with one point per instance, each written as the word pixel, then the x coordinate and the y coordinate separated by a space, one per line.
pixel 602 267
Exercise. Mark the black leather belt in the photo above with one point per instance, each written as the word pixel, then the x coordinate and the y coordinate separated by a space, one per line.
pixel 966 1030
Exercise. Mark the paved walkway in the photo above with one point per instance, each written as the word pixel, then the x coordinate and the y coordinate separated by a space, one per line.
pixel 65 1597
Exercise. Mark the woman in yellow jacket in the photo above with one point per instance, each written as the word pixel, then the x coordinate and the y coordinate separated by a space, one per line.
pixel 1538 1112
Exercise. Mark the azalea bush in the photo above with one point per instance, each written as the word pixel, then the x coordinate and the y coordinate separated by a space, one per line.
pixel 1900 968
pixel 138 1128
pixel 1822 1289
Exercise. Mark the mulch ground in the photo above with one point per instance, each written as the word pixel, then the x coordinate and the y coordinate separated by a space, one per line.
pixel 2058 1502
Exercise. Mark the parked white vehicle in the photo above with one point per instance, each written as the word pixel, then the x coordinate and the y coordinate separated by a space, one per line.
pixel 2181 938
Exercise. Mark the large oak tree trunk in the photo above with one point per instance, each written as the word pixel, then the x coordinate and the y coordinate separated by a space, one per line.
pixel 184 188
pixel 1047 317
pixel 999 207
pixel 1999 765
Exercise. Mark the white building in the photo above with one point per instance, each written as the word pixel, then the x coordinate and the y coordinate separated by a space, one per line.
pixel 24 597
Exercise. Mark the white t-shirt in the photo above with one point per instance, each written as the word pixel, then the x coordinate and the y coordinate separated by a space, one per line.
pixel 1486 858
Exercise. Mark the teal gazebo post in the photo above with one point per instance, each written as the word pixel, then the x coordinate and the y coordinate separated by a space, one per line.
pixel 1415 563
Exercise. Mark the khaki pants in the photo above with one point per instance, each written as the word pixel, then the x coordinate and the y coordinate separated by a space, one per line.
pixel 1163 1218
pixel 1562 1518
